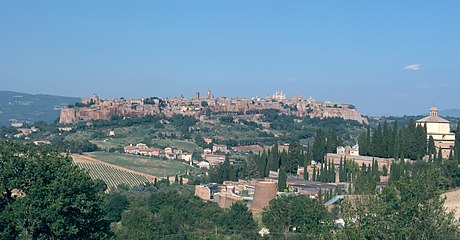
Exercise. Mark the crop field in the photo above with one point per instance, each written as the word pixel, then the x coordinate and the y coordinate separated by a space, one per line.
pixel 152 166
pixel 112 176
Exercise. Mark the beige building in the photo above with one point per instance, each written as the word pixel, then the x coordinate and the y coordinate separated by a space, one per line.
pixel 439 129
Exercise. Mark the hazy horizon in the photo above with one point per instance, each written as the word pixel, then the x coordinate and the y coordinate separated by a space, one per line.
pixel 390 58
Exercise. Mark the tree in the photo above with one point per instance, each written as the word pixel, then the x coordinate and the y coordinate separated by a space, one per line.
pixel 319 146
pixel 56 199
pixel 409 208
pixel 239 218
pixel 457 143
pixel 377 147
pixel 116 204
pixel 297 213
pixel 138 223
pixel 431 147
pixel 204 104
pixel 440 155
pixel 282 179
pixel 332 140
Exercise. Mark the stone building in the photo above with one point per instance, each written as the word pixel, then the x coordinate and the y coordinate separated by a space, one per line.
pixel 438 128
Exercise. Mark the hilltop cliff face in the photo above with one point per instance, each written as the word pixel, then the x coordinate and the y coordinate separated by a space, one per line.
pixel 345 113
pixel 96 109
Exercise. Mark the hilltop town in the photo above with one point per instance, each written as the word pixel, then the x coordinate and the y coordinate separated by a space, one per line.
pixel 202 108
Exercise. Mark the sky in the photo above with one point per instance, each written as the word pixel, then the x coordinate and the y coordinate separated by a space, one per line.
pixel 385 57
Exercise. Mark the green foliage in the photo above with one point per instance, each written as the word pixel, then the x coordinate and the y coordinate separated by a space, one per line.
pixel 240 220
pixel 457 143
pixel 408 142
pixel 409 208
pixel 225 172
pixel 116 204
pixel 297 213
pixel 174 213
pixel 282 178
pixel 59 201
pixel 365 181
pixel 319 146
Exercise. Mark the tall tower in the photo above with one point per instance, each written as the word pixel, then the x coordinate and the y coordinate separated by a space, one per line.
pixel 197 95
pixel 209 94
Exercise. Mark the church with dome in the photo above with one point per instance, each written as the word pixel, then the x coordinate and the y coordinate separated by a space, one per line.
pixel 439 129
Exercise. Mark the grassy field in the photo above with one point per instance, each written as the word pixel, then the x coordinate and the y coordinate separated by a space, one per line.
pixel 183 145
pixel 152 166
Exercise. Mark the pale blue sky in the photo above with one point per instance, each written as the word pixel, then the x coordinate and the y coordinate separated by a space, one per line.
pixel 346 51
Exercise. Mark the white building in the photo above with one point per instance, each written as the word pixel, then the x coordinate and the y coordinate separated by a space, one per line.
pixel 439 129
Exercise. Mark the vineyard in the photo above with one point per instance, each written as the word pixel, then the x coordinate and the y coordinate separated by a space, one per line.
pixel 113 177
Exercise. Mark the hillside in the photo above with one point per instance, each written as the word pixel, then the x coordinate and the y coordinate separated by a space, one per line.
pixel 450 113
pixel 22 107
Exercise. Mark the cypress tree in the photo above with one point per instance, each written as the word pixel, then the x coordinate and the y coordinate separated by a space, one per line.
pixel 457 143
pixel 377 146
pixel 420 142
pixel 331 143
pixel 314 173
pixel 440 155
pixel 181 181
pixel 386 140
pixel 305 165
pixel 362 143
pixel 394 143
pixel 319 146
pixel 341 170
pixel 305 174
pixel 282 178
pixel 332 171
pixel 431 147
pixel 368 141
pixel 273 158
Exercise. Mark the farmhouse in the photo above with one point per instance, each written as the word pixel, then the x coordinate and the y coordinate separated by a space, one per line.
pixel 219 148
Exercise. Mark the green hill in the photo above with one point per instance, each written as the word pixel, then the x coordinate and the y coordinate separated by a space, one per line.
pixel 24 107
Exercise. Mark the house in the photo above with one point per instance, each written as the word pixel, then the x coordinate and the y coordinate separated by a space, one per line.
pixel 207 140
pixel 168 150
pixel 348 151
pixel 42 142
pixel 142 152
pixel 207 151
pixel 131 149
pixel 206 192
pixel 177 151
pixel 203 164
pixel 170 156
pixel 186 156
pixel 219 148
pixel 111 133
pixel 153 152
pixel 142 146
pixel 214 159
pixel 65 129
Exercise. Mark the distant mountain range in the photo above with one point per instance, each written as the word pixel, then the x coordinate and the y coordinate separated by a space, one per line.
pixel 23 107
pixel 450 113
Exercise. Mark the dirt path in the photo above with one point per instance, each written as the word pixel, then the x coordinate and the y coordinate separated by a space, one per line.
pixel 85 158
